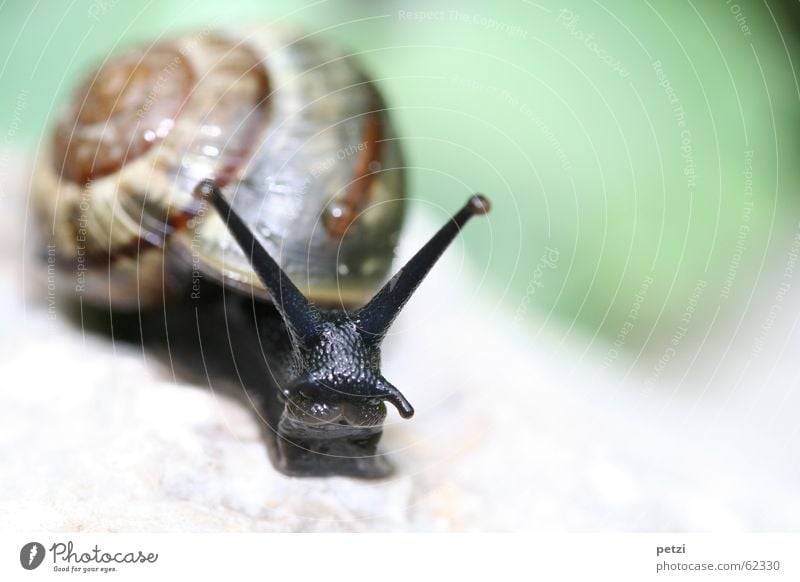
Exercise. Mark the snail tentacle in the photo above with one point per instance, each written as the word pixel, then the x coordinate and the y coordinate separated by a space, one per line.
pixel 301 317
pixel 375 318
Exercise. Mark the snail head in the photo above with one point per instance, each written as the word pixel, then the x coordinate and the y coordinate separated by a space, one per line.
pixel 338 378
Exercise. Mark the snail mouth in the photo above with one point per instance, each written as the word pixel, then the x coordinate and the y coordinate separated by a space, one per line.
pixel 293 429
pixel 345 443
pixel 328 450
pixel 307 417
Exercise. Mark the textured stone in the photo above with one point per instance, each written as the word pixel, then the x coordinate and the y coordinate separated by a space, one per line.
pixel 97 437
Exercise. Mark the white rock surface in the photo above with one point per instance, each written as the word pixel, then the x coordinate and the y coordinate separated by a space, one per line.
pixel 96 437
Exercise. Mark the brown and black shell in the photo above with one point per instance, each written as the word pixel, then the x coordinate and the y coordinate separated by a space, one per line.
pixel 291 128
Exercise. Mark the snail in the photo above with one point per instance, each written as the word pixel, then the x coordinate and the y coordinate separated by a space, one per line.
pixel 280 287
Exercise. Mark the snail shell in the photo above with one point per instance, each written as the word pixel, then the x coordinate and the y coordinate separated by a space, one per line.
pixel 291 128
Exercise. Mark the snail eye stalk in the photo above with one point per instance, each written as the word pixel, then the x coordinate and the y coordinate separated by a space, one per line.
pixel 375 318
pixel 305 323
pixel 301 317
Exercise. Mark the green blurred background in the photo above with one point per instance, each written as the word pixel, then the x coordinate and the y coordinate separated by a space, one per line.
pixel 633 150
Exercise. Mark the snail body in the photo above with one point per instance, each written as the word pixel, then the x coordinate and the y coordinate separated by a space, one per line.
pixel 289 142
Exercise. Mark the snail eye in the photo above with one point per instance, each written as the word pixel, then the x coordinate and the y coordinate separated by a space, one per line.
pixel 370 413
pixel 310 412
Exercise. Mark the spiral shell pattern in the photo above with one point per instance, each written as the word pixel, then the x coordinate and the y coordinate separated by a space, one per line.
pixel 294 131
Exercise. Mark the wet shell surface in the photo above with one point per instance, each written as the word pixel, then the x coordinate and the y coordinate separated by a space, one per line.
pixel 293 130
